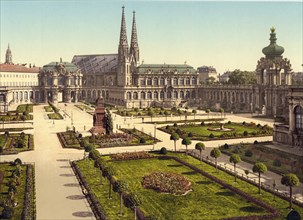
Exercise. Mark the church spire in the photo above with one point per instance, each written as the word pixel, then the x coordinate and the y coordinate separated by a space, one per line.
pixel 134 47
pixel 8 56
pixel 123 45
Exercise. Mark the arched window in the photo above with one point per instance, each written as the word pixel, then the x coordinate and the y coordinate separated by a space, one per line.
pixel 169 95
pixel 187 95
pixel 156 83
pixel 169 82
pixel 142 95
pixel 149 95
pixel 187 81
pixel 162 81
pixel 135 95
pixel 129 96
pixel 175 81
pixel 149 81
pixel 175 94
pixel 161 95
pixel 193 81
pixel 182 81
pixel 193 94
pixel 156 95
pixel 142 82
pixel 299 117
pixel 181 94
pixel 26 95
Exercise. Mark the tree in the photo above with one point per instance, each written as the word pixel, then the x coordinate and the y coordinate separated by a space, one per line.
pixel 120 186
pixel 174 137
pixel 186 142
pixel 238 77
pixel 200 146
pixel 134 200
pixel 194 112
pixel 166 113
pixel 23 118
pixel 259 168
pixel 108 172
pixel 151 114
pixel 108 122
pixel 222 112
pixel 235 158
pixel 290 180
pixel 215 153
pixel 210 80
pixel 207 111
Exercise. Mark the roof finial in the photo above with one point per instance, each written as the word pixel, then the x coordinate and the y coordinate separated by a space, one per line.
pixel 272 29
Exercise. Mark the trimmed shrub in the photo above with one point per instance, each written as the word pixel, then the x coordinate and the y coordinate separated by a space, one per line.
pixel 163 150
pixel 256 142
pixel 243 123
pixel 248 153
pixel 167 127
pixel 190 134
pixel 18 161
pixel 226 146
pixel 211 135
pixel 245 133
pixel 277 163
pixel 7 212
pixel 202 123
pixel 229 122
pixel 142 140
pixel 175 125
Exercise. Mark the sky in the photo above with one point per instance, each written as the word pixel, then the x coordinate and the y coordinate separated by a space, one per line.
pixel 222 34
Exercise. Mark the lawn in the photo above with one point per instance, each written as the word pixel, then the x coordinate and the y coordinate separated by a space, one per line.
pixel 275 160
pixel 48 108
pixel 201 203
pixel 25 107
pixel 55 116
pixel 208 205
pixel 111 206
pixel 19 196
pixel 84 108
pixel 156 112
pixel 205 131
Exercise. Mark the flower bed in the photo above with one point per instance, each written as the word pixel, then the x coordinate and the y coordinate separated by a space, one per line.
pixel 131 156
pixel 172 183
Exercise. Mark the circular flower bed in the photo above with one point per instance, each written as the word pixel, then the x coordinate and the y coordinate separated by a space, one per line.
pixel 221 128
pixel 171 183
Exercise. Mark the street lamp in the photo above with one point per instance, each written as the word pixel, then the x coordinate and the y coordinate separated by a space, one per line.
pixel 155 128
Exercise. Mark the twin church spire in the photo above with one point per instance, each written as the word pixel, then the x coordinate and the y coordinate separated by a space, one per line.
pixel 124 52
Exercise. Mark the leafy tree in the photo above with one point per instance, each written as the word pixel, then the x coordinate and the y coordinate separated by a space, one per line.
pixel 215 153
pixel 108 172
pixel 134 200
pixel 194 112
pixel 166 113
pixel 200 146
pixel 235 158
pixel 120 186
pixel 186 142
pixel 222 112
pixel 108 122
pixel 239 77
pixel 259 168
pixel 290 180
pixel 163 150
pixel 151 114
pixel 210 80
pixel 174 137
pixel 207 111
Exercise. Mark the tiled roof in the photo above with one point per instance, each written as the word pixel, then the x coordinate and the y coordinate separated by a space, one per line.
pixel 18 68
pixel 157 68
pixel 97 63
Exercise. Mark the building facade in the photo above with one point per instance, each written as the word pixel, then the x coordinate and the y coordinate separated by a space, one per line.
pixel 17 83
pixel 206 73
pixel 122 81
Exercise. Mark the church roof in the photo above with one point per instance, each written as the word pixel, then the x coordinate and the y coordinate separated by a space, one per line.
pixel 17 68
pixel 70 67
pixel 157 68
pixel 97 63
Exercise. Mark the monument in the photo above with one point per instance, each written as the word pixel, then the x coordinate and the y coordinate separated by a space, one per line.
pixel 99 119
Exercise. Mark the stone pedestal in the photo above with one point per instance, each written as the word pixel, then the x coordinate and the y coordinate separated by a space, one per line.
pixel 99 118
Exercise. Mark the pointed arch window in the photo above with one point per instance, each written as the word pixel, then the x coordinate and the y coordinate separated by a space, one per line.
pixel 299 117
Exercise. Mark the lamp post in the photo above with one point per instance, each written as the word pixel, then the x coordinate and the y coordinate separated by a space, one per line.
pixel 155 128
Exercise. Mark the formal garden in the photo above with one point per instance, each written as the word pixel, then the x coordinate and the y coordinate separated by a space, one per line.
pixel 144 182
pixel 277 161
pixel 22 113
pixel 218 131
pixel 85 108
pixel 17 191
pixel 13 143
pixel 128 137
pixel 54 112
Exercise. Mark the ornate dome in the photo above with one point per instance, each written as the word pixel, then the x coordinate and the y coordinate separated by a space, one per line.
pixel 273 50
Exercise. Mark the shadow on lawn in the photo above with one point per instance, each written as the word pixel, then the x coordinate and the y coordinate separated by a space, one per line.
pixel 252 209
pixel 189 173
pixel 204 182
pixel 226 193
pixel 174 165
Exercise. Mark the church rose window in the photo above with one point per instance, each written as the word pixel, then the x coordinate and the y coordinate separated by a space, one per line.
pixel 299 117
